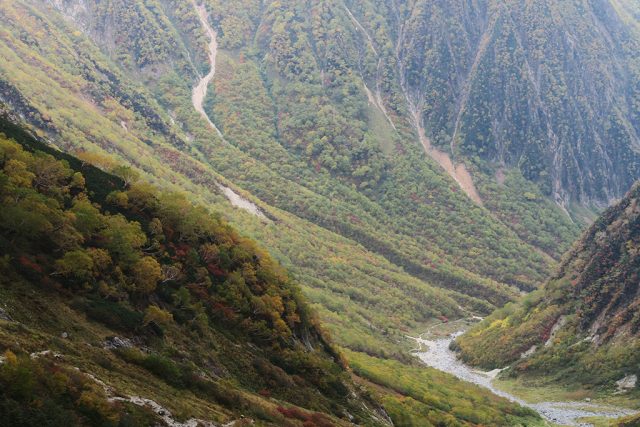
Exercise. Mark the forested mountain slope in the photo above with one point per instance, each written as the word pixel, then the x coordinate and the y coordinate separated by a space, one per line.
pixel 548 86
pixel 406 160
pixel 583 327
pixel 123 305
pixel 114 79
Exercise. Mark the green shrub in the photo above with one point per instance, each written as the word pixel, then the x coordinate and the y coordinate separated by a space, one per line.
pixel 111 314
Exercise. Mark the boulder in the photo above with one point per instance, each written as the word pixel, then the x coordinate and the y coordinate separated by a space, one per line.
pixel 112 343
pixel 627 383
pixel 4 315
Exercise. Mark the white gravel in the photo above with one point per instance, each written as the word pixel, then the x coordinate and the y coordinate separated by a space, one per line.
pixel 240 202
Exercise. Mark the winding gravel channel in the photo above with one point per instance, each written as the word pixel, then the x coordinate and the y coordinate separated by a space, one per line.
pixel 436 353
pixel 200 90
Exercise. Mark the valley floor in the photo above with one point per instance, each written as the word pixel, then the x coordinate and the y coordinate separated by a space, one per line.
pixel 433 349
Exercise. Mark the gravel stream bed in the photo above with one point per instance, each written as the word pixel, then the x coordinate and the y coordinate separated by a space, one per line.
pixel 436 353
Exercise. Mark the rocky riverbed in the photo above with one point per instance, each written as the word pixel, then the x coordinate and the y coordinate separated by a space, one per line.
pixel 436 353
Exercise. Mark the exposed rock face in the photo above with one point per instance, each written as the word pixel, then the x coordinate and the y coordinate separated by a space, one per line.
pixel 163 412
pixel 77 10
pixel 529 352
pixel 554 331
pixel 603 268
pixel 627 383
pixel 46 353
pixel 113 343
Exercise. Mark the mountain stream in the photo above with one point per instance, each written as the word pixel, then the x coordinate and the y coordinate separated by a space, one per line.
pixel 436 354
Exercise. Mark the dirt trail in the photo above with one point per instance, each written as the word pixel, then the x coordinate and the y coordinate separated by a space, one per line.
pixel 200 90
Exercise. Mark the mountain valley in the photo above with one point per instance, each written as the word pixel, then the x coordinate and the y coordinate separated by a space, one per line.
pixel 388 165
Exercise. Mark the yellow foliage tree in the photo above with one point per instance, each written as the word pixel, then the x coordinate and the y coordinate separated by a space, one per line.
pixel 155 314
pixel 146 274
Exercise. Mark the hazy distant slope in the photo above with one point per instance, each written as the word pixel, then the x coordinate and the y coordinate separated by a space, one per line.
pixel 548 86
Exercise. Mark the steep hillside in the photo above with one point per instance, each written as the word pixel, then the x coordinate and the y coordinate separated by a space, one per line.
pixel 583 327
pixel 406 160
pixel 381 237
pixel 193 304
pixel 122 305
pixel 548 86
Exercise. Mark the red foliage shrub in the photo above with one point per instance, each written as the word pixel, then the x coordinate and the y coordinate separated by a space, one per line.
pixel 294 413
pixel 319 420
pixel 227 312
pixel 28 263
pixel 215 270
pixel 315 419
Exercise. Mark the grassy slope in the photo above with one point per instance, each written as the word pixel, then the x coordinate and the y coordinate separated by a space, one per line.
pixel 45 317
pixel 206 359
